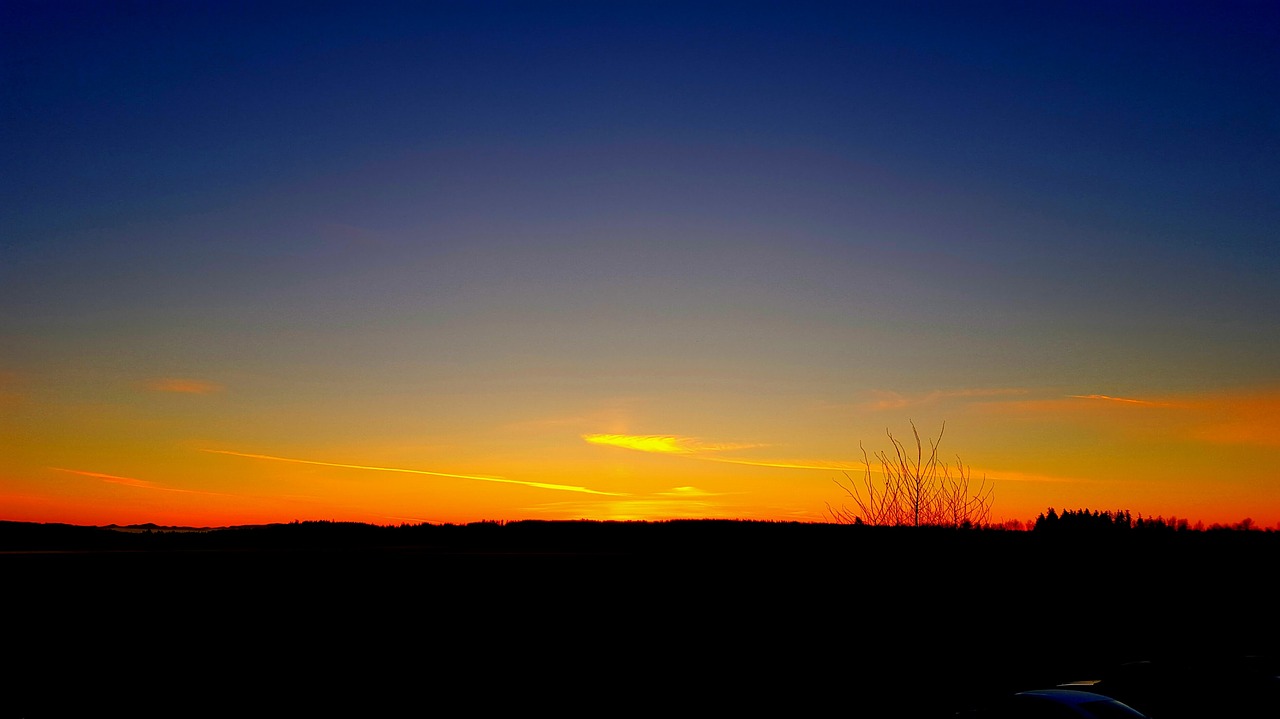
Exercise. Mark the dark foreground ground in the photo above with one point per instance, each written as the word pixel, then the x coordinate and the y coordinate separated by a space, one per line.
pixel 703 618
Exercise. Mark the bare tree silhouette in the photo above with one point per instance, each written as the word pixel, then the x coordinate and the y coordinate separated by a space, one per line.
pixel 917 490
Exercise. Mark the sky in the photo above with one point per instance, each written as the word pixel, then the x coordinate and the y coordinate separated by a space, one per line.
pixel 492 261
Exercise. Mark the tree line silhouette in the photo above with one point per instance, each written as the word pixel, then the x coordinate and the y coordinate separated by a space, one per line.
pixel 1112 576
pixel 1084 520
pixel 598 536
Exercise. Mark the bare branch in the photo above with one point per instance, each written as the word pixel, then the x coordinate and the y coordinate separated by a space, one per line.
pixel 919 490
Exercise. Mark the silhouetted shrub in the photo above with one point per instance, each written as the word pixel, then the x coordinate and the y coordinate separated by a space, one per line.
pixel 919 491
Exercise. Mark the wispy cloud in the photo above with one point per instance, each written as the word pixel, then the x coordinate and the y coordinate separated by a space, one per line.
pixel 128 481
pixel 1124 400
pixel 1054 405
pixel 182 386
pixel 1240 418
pixel 887 400
pixel 789 464
pixel 113 479
pixel 694 448
pixel 402 470
pixel 9 397
pixel 1245 416
pixel 1013 476
pixel 689 492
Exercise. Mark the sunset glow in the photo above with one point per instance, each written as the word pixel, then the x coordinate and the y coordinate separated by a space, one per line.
pixel 455 263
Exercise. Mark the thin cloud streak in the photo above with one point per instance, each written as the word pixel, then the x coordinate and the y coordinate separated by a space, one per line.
pixel 825 466
pixel 1245 417
pixel 660 447
pixel 10 397
pixel 1240 418
pixel 1125 400
pixel 401 470
pixel 696 449
pixel 182 386
pixel 886 400
pixel 131 481
pixel 1011 476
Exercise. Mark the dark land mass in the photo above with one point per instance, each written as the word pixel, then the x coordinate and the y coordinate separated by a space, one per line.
pixel 718 617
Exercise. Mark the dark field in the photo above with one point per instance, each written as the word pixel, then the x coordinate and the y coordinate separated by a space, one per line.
pixel 630 618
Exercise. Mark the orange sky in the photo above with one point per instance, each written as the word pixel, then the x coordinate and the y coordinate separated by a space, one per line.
pixel 190 452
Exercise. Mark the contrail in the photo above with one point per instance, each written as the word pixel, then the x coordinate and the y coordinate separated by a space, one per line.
pixel 115 479
pixel 481 478
pixel 132 481
pixel 827 466
pixel 1117 399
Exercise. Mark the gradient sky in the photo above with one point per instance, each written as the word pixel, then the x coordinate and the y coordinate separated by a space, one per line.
pixel 462 261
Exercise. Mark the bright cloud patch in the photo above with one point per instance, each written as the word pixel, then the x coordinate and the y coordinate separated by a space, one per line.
pixel 697 449
pixel 661 443
pixel 685 492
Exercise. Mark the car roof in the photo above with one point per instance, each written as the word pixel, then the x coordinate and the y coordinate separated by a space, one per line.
pixel 1067 696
